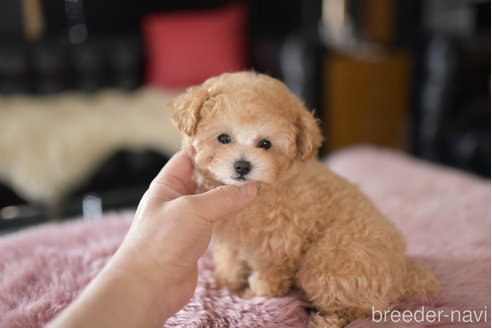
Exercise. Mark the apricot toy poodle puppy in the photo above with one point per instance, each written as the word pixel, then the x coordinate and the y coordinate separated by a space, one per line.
pixel 307 228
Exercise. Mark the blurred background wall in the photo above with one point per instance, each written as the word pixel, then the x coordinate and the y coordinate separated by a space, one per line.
pixel 407 74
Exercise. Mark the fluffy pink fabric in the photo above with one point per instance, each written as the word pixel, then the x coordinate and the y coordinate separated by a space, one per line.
pixel 445 217
pixel 444 214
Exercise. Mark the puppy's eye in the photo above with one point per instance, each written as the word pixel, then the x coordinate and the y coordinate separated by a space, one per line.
pixel 224 138
pixel 265 144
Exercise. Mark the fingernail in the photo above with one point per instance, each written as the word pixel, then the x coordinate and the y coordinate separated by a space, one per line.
pixel 249 190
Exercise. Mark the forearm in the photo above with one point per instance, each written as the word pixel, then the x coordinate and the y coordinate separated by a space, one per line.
pixel 118 298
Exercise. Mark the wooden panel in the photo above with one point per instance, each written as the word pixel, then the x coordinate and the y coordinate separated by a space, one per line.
pixel 33 19
pixel 379 20
pixel 366 101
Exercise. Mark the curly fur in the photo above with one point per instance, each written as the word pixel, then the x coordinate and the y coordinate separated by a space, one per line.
pixel 308 228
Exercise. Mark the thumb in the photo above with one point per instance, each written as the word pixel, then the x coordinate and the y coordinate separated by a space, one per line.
pixel 224 200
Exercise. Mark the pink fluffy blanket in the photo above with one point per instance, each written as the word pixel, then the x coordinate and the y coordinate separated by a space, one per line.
pixel 444 214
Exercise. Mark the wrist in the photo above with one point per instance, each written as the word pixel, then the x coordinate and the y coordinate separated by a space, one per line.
pixel 140 263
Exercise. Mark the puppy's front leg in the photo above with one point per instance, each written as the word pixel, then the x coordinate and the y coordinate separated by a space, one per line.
pixel 229 270
pixel 270 280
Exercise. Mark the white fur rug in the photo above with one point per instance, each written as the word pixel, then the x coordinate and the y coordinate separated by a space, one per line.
pixel 48 145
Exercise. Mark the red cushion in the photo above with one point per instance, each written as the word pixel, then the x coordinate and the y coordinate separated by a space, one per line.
pixel 186 48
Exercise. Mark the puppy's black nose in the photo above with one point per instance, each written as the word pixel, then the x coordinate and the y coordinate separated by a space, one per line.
pixel 242 167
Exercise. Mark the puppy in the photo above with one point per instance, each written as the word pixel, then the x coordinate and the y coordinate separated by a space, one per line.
pixel 307 227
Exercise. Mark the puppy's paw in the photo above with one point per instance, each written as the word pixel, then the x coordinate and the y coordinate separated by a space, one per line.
pixel 317 320
pixel 249 293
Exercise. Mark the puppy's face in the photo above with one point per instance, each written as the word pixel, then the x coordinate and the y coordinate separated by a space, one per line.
pixel 234 146
pixel 243 127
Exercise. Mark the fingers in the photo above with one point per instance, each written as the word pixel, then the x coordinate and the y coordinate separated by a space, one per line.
pixel 222 201
pixel 175 178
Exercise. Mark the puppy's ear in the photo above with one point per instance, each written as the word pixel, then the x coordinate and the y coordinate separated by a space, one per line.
pixel 309 137
pixel 186 109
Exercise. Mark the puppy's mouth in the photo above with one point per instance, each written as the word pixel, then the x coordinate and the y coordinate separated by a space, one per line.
pixel 240 178
pixel 236 180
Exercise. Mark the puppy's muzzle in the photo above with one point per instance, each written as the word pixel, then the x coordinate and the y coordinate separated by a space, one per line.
pixel 242 168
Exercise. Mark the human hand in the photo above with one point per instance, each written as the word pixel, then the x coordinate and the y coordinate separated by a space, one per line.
pixel 172 227
pixel 154 272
